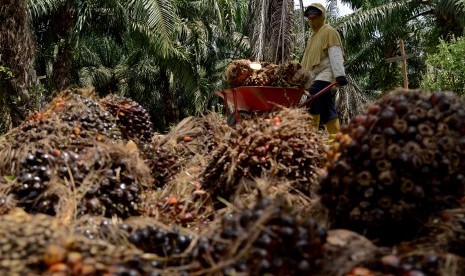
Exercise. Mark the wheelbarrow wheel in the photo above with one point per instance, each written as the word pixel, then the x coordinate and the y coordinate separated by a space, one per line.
pixel 243 115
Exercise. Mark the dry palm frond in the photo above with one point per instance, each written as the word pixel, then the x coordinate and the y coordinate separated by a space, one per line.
pixel 350 101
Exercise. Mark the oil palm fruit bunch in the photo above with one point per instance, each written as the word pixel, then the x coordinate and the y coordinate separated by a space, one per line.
pixel 23 239
pixel 43 245
pixel 243 73
pixel 396 164
pixel 447 231
pixel 132 118
pixel 102 180
pixel 193 136
pixel 237 72
pixel 73 117
pixel 263 240
pixel 293 75
pixel 419 261
pixel 281 144
pixel 147 234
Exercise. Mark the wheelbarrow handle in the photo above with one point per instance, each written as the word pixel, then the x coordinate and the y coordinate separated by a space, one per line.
pixel 321 92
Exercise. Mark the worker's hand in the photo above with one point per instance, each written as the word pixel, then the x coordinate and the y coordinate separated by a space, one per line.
pixel 341 81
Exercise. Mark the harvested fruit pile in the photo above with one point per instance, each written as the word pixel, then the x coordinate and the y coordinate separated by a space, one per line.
pixel 243 72
pixel 87 188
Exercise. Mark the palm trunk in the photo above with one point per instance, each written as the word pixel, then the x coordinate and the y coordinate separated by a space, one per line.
pixel 170 109
pixel 62 24
pixel 17 55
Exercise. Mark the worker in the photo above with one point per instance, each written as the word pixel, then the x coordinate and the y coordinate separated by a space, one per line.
pixel 323 57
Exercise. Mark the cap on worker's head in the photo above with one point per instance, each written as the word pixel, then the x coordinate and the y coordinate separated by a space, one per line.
pixel 315 8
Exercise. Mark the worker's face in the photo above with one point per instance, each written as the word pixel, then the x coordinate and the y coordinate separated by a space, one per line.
pixel 312 16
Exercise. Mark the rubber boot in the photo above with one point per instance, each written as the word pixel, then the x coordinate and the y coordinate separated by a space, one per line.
pixel 333 127
pixel 316 121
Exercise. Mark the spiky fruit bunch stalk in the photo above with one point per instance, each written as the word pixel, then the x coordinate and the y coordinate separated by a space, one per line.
pixel 396 164
pixel 133 119
pixel 193 136
pixel 264 239
pixel 281 144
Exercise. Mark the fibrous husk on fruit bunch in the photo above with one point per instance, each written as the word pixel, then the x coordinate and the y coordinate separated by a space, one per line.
pixel 132 118
pixel 281 144
pixel 237 72
pixel 42 245
pixel 176 150
pixel 80 110
pixel 104 180
pixel 146 234
pixel 263 240
pixel 412 261
pixel 396 164
pixel 447 231
pixel 73 120
pixel 345 250
pixel 23 239
pixel 289 74
pixel 182 201
pixel 282 191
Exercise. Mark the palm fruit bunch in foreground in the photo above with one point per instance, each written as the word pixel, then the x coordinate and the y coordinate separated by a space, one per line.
pixel 41 245
pixel 193 136
pixel 447 231
pixel 102 180
pixel 263 240
pixel 132 118
pixel 290 74
pixel 344 250
pixel 281 144
pixel 414 261
pixel 396 164
pixel 23 239
pixel 146 234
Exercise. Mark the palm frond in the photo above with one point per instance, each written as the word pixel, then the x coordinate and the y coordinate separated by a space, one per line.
pixel 156 19
pixel 39 8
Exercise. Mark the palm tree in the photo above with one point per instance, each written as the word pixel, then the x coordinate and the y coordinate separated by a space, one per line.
pixel 17 57
pixel 372 33
pixel 271 30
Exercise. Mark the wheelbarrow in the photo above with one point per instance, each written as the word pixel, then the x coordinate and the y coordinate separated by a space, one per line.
pixel 248 100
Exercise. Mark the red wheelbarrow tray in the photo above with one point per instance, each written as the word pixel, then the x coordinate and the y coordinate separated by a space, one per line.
pixel 260 98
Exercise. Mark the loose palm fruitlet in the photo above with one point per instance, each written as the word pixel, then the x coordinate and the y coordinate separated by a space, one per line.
pixel 263 240
pixel 133 119
pixel 289 74
pixel 281 144
pixel 396 164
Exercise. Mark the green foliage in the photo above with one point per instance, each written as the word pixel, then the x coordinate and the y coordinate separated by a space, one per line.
pixel 5 73
pixel 446 67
